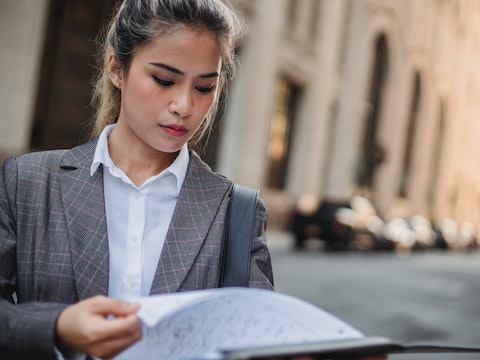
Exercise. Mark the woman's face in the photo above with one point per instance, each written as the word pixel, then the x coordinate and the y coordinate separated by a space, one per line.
pixel 168 89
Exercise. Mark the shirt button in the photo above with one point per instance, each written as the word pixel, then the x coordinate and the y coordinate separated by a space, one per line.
pixel 134 238
pixel 133 283
pixel 138 196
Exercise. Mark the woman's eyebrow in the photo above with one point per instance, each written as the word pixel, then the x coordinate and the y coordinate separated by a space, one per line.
pixel 176 71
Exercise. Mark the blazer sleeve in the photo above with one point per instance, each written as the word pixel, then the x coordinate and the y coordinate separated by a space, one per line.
pixel 261 274
pixel 26 329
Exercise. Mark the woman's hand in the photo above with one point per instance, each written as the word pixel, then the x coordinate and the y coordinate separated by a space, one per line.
pixel 99 326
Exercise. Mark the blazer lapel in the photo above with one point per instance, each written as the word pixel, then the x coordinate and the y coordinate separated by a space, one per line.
pixel 197 205
pixel 84 203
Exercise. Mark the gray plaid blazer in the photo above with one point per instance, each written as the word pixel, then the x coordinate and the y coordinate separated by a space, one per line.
pixel 54 247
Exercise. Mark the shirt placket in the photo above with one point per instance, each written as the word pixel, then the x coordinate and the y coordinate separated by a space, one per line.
pixel 136 223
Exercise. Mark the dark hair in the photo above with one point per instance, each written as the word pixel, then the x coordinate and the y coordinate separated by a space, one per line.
pixel 137 22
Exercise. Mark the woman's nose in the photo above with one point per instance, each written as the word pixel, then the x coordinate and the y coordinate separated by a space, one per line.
pixel 182 103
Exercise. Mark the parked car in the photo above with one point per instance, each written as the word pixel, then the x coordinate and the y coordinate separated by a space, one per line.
pixel 461 237
pixel 399 234
pixel 416 233
pixel 425 236
pixel 341 225
pixel 313 219
pixel 364 223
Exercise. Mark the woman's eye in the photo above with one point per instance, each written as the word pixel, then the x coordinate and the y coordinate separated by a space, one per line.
pixel 163 82
pixel 204 89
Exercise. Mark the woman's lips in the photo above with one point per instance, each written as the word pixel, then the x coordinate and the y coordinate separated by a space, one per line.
pixel 174 130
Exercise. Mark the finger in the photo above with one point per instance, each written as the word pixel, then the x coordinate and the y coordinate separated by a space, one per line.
pixel 121 327
pixel 107 306
pixel 118 335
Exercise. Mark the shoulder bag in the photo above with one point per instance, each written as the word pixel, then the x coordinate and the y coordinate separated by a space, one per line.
pixel 236 253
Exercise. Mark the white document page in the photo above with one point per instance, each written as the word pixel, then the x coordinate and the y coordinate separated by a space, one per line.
pixel 198 324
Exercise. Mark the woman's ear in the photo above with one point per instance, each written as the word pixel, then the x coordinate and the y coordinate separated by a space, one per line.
pixel 115 72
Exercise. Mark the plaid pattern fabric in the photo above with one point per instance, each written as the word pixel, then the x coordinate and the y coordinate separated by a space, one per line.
pixel 54 245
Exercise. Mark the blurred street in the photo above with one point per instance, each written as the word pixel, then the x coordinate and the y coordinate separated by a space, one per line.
pixel 422 297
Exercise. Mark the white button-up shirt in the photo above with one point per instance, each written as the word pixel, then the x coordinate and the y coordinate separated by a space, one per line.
pixel 138 218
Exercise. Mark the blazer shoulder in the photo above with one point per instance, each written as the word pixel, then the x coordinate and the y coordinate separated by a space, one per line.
pixel 33 163
pixel 42 164
pixel 204 172
pixel 48 159
pixel 39 157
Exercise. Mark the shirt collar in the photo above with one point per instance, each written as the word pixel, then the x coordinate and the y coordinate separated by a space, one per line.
pixel 178 168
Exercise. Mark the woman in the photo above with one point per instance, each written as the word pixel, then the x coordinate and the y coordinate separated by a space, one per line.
pixel 164 65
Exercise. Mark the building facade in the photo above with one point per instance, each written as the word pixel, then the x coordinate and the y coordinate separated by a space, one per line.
pixel 334 98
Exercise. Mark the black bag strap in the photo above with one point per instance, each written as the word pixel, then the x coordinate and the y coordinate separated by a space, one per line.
pixel 237 248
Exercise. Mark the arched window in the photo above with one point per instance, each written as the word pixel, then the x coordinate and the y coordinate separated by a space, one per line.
pixel 409 144
pixel 437 156
pixel 372 153
pixel 281 131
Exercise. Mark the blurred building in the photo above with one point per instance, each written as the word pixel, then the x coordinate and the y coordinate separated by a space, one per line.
pixel 334 98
